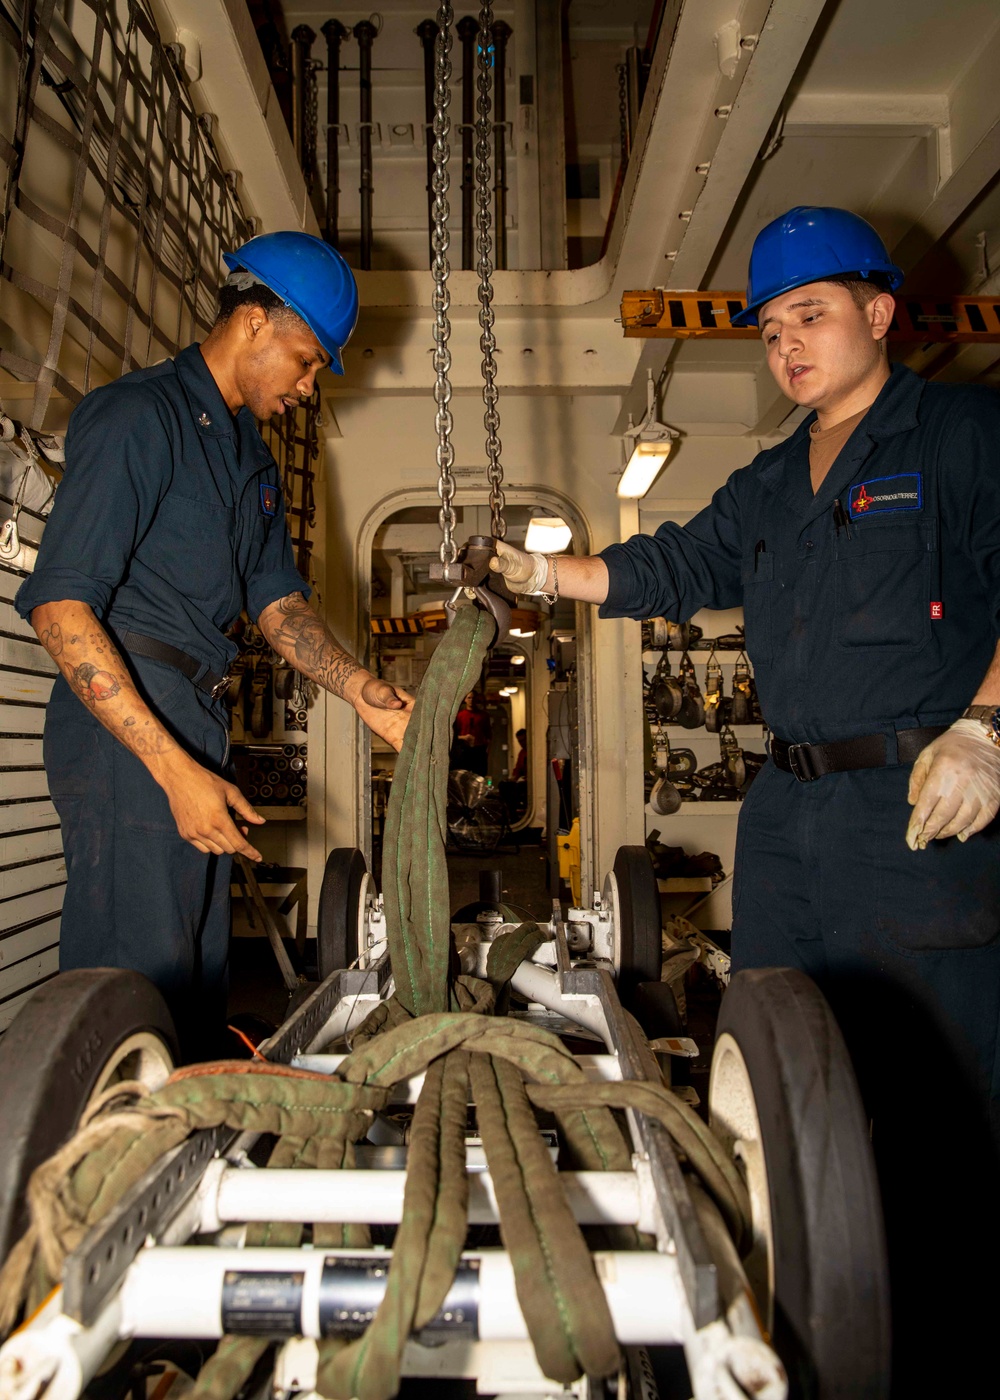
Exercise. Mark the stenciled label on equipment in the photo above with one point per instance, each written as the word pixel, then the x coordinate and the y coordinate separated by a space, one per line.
pixel 263 1304
pixel 351 1289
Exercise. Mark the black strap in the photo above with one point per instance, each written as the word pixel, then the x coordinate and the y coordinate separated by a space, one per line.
pixel 155 650
pixel 810 761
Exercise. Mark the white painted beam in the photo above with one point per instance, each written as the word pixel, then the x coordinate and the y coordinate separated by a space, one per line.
pixel 772 65
pixel 236 87
pixel 761 85
pixel 974 142
pixel 912 111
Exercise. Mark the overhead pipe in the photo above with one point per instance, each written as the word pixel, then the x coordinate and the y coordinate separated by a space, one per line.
pixel 334 33
pixel 302 42
pixel 365 32
pixel 426 32
pixel 468 31
pixel 501 32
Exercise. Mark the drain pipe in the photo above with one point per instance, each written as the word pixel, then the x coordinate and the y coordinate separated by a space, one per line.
pixel 426 32
pixel 468 31
pixel 501 33
pixel 302 41
pixel 334 33
pixel 365 32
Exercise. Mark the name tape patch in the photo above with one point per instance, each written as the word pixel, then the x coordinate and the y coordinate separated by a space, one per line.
pixel 885 493
pixel 268 500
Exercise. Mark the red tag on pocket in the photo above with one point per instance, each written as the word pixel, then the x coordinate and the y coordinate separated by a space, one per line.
pixel 937 612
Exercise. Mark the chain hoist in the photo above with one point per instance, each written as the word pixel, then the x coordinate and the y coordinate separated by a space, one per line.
pixel 440 270
pixel 484 247
pixel 468 567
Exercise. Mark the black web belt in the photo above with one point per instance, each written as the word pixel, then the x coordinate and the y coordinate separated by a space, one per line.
pixel 807 762
pixel 207 681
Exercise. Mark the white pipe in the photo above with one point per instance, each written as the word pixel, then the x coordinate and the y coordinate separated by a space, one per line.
pixel 177 1293
pixel 376 1197
pixel 598 1068
pixel 539 984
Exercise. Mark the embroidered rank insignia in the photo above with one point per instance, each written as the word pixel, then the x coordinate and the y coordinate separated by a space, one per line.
pixel 268 499
pixel 887 493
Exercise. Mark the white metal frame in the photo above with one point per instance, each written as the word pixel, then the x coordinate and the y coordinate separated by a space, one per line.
pixel 169 1290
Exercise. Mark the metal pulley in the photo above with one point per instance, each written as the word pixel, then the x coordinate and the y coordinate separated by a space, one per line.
pixel 467 566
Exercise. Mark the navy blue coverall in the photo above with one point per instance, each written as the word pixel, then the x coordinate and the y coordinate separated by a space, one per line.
pixel 170 519
pixel 884 621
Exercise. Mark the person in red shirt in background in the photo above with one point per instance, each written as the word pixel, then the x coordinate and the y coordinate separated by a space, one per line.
pixel 471 746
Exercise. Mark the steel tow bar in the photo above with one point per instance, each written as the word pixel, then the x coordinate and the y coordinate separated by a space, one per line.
pixel 471 572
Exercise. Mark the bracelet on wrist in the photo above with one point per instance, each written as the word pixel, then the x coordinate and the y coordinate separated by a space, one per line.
pixel 553 597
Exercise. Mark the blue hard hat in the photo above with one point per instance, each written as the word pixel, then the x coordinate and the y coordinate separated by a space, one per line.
pixel 312 278
pixel 808 244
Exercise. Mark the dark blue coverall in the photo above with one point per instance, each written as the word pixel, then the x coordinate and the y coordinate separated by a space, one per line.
pixel 846 640
pixel 170 519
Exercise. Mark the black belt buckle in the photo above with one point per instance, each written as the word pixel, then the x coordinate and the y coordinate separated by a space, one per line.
pixel 798 762
pixel 220 687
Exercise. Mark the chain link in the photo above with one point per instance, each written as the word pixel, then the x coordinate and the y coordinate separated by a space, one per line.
pixel 440 271
pixel 484 247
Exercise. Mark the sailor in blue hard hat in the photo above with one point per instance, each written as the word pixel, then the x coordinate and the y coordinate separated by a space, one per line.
pixel 309 279
pixel 169 522
pixel 865 552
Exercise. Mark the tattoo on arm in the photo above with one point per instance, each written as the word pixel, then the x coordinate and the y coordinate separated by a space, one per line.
pixel 304 639
pixel 94 684
pixel 52 639
pixel 96 672
pixel 157 741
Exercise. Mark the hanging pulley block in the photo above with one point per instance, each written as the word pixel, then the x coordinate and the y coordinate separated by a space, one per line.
pixel 470 572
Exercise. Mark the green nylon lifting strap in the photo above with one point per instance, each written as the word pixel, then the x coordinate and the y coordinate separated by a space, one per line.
pixel 414 865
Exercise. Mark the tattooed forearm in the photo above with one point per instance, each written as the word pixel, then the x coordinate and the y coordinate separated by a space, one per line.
pixel 305 641
pixel 91 664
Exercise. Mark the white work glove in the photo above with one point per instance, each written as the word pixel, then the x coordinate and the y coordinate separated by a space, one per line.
pixel 955 785
pixel 523 573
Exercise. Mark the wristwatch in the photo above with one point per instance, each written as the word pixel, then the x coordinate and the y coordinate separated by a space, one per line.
pixel 989 717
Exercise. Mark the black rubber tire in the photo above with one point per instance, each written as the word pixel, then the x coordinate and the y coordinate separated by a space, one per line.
pixel 831 1315
pixel 51 1058
pixel 338 930
pixel 655 1008
pixel 641 936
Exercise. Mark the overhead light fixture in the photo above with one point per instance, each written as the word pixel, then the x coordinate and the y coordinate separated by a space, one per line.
pixel 509 690
pixel 517 660
pixel 522 632
pixel 647 447
pixel 547 534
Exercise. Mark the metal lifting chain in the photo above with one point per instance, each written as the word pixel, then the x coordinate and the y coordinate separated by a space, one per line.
pixel 484 246
pixel 440 270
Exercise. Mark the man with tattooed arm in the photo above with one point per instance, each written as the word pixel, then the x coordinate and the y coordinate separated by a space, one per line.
pixel 170 520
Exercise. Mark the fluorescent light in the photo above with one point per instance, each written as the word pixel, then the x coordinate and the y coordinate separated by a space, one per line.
pixel 517 660
pixel 644 466
pixel 520 632
pixel 547 534
pixel 648 447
